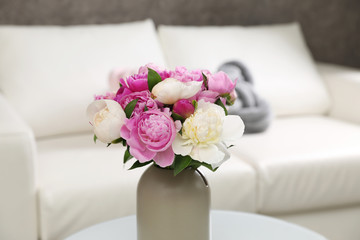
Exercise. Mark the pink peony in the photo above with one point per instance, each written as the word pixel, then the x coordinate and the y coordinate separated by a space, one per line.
pixel 144 69
pixel 108 95
pixel 220 83
pixel 144 99
pixel 136 82
pixel 207 96
pixel 123 91
pixel 161 71
pixel 182 74
pixel 184 108
pixel 150 136
pixel 117 74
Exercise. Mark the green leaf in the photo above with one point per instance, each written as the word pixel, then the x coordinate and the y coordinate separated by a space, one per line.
pixel 206 82
pixel 95 138
pixel 209 166
pixel 195 104
pixel 219 102
pixel 108 144
pixel 145 108
pixel 181 162
pixel 195 164
pixel 127 155
pixel 130 108
pixel 138 164
pixel 176 116
pixel 120 85
pixel 119 140
pixel 153 78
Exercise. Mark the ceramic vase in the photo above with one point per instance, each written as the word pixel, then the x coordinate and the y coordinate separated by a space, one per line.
pixel 173 207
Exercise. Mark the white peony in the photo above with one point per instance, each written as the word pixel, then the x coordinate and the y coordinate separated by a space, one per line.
pixel 107 118
pixel 207 133
pixel 171 90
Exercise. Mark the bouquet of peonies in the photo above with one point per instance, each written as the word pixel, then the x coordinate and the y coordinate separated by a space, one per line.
pixel 174 119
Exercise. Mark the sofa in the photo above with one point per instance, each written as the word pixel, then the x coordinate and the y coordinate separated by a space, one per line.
pixel 55 180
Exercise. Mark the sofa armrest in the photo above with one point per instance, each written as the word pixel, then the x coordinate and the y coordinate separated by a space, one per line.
pixel 18 219
pixel 344 87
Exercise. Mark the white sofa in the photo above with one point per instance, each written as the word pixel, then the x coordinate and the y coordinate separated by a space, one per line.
pixel 55 181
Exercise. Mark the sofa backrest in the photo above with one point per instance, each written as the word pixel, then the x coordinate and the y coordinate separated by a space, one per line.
pixel 330 27
pixel 277 57
pixel 50 74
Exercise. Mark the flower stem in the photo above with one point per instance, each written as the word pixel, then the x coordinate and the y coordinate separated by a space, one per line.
pixel 202 176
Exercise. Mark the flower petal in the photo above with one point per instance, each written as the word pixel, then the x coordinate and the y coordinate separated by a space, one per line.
pixel 115 109
pixel 142 156
pixel 211 155
pixel 223 149
pixel 108 130
pixel 165 158
pixel 178 125
pixel 134 140
pixel 189 89
pixel 194 154
pixel 103 132
pixel 221 83
pixel 109 117
pixel 125 131
pixel 171 90
pixel 180 147
pixel 233 128
pixel 94 108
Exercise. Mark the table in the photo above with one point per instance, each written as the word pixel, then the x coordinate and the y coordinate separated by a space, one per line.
pixel 226 225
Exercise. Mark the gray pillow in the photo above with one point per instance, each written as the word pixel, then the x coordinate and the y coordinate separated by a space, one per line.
pixel 254 111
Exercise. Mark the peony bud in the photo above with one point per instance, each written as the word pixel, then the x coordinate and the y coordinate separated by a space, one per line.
pixel 171 90
pixel 184 108
pixel 107 118
pixel 207 96
pixel 220 83
pixel 233 96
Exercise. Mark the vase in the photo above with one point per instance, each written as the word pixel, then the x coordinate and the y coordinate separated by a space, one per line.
pixel 173 207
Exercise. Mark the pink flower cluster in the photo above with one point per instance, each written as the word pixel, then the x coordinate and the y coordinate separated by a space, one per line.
pixel 151 128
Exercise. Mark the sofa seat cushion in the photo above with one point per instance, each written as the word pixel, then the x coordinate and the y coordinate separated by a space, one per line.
pixel 305 163
pixel 82 183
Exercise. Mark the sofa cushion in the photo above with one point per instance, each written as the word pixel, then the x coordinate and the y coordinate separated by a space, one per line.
pixel 51 73
pixel 305 163
pixel 82 183
pixel 277 57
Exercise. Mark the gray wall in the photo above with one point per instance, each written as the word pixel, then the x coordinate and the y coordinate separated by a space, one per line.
pixel 331 27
